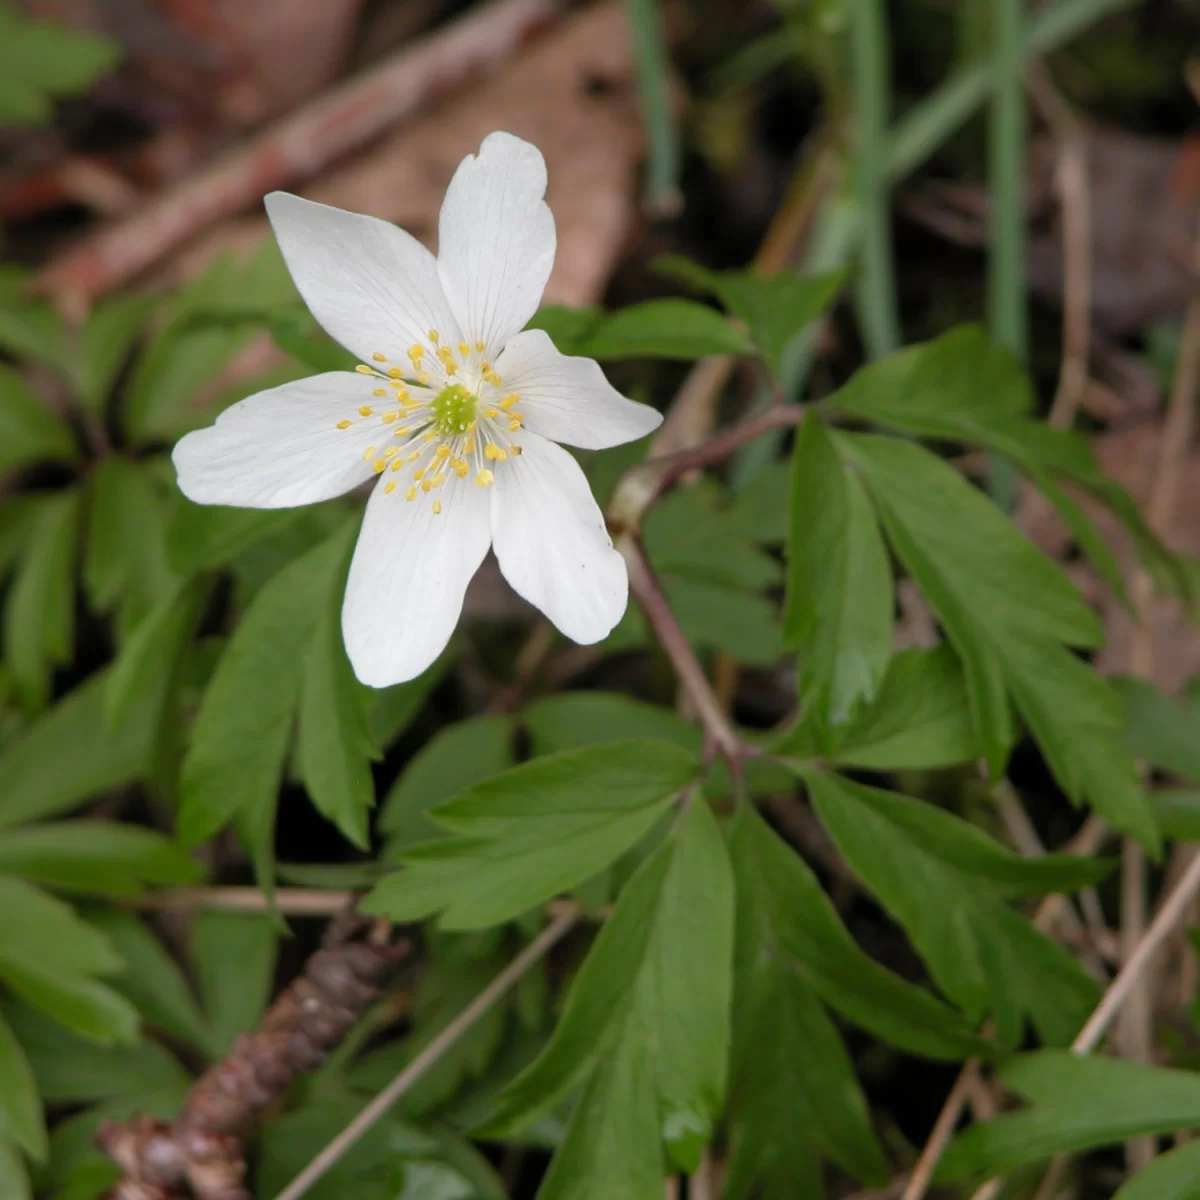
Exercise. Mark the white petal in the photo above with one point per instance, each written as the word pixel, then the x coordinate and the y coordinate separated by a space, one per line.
pixel 551 542
pixel 496 239
pixel 372 286
pixel 282 447
pixel 410 570
pixel 568 399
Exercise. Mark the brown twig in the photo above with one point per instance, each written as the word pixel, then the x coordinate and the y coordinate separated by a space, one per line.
pixel 201 1152
pixel 457 1028
pixel 295 148
pixel 291 902
pixel 718 730
pixel 1075 200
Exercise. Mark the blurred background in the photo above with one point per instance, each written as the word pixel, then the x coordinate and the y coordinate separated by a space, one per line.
pixel 1029 164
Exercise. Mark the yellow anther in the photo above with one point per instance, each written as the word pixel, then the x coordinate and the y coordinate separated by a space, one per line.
pixel 438 479
pixel 490 451
pixel 389 418
pixel 379 391
pixel 402 431
pixel 363 369
pixel 344 424
pixel 390 487
pixel 430 435
pixel 437 507
pixel 480 347
pixel 410 493
pixel 378 465
pixel 426 484
pixel 484 478
pixel 491 412
pixel 515 451
pixel 423 377
pixel 379 357
pixel 398 465
pixel 443 451
pixel 509 401
pixel 469 446
pixel 395 373
pixel 391 452
pixel 501 454
pixel 470 426
pixel 416 352
pixel 464 349
pixel 365 411
pixel 434 336
pixel 419 473
pixel 414 456
pixel 450 367
pixel 369 453
pixel 484 366
pixel 492 378
pixel 514 425
pixel 461 470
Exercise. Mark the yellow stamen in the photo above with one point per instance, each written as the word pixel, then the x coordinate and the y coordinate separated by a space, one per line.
pixel 434 336
pixel 515 451
pixel 414 456
pixel 509 400
pixel 369 453
pixel 490 451
pixel 419 473
pixel 398 465
pixel 416 352
pixel 464 349
pixel 410 493
pixel 484 478
pixel 379 392
pixel 344 424
pixel 395 373
pixel 469 446
pixel 378 465
pixel 501 454
pixel 389 418
pixel 437 507
pixel 391 452
pixel 426 484
pixel 423 377
pixel 365 411
pixel 379 357
pixel 402 431
pixel 480 347
pixel 514 425
pixel 389 488
pixel 491 412
pixel 443 451
pixel 363 369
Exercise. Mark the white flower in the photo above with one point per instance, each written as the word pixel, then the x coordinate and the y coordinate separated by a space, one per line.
pixel 454 409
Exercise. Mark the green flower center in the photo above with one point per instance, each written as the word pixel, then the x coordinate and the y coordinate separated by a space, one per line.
pixel 453 410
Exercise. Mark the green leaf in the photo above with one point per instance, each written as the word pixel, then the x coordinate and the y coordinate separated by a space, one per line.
pixel 534 831
pixel 1178 812
pixel 933 873
pixel 920 719
pixel 655 988
pixel 775 307
pixel 125 568
pixel 240 738
pixel 155 647
pixel 687 534
pixel 72 1070
pixel 201 536
pixel 1079 1102
pixel 964 387
pixel 396 707
pixel 454 759
pixel 1010 614
pixel 568 328
pixel 794 1093
pixel 95 856
pixel 49 957
pixel 724 618
pixel 572 719
pixel 40 62
pixel 206 324
pixel 299 335
pixel 1172 1176
pixel 30 327
pixel 760 510
pixel 1160 729
pixel 334 736
pixel 804 930
pixel 234 956
pixel 15 1183
pixel 30 431
pixel 20 1104
pixel 38 780
pixel 680 329
pixel 105 344
pixel 839 594
pixel 152 980
pixel 39 622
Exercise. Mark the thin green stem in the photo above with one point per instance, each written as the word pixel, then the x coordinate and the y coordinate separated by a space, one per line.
pixel 1006 223
pixel 872 100
pixel 663 197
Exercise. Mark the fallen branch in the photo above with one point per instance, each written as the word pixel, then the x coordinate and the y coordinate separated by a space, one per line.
pixel 201 1153
pixel 295 148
